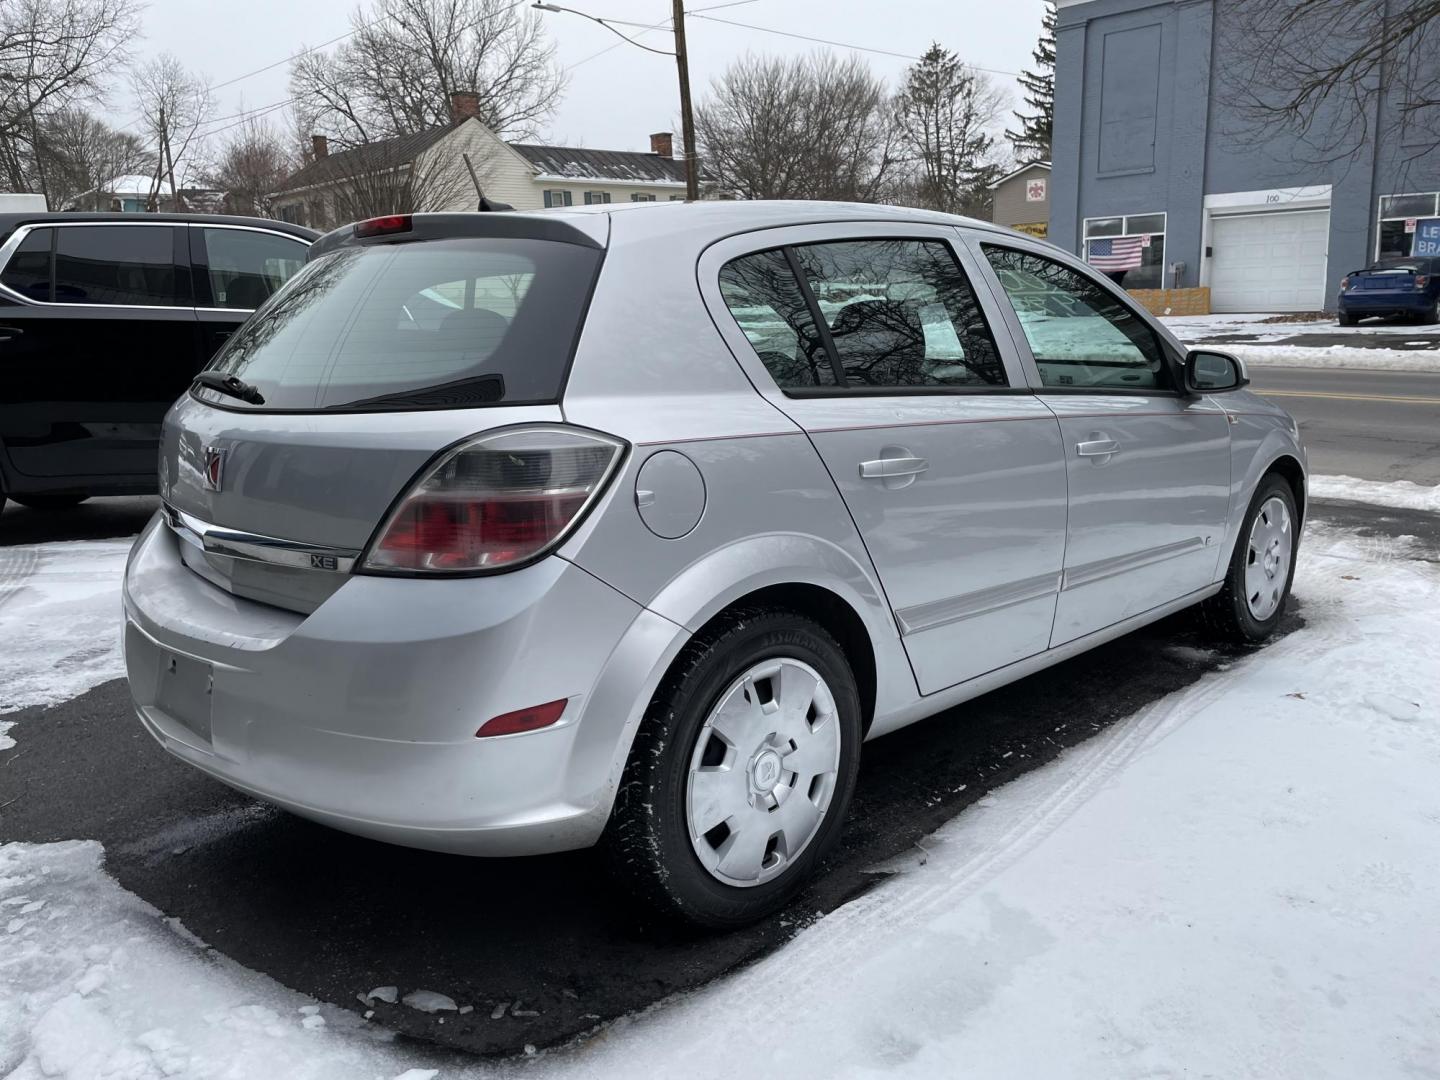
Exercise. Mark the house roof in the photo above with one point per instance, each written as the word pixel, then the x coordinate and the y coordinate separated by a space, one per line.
pixel 623 166
pixel 368 157
pixel 1023 168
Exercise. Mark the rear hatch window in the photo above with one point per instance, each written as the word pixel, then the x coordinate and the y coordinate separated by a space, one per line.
pixel 453 323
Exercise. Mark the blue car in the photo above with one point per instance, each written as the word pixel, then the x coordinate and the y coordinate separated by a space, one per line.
pixel 1392 287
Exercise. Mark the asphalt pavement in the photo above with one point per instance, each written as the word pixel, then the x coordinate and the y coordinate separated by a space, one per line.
pixel 1377 425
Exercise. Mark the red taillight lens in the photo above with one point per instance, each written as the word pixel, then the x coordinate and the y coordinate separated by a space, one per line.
pixel 1421 281
pixel 496 501
pixel 1344 283
pixel 531 719
pixel 379 226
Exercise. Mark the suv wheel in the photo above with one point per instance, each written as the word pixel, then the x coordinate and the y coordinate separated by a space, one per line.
pixel 49 502
pixel 1248 608
pixel 741 773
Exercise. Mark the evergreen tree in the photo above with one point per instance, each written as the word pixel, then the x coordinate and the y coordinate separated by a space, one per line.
pixel 945 110
pixel 1032 141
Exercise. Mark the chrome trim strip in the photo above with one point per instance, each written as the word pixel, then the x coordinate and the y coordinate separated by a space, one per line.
pixel 1100 569
pixel 935 613
pixel 253 547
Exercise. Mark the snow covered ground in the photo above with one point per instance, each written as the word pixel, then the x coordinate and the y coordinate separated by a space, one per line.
pixel 1194 327
pixel 1263 353
pixel 1238 881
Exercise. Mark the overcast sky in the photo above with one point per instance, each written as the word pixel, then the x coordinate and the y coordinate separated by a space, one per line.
pixel 615 96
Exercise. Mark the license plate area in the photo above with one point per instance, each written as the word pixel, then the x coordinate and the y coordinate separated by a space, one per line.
pixel 185 692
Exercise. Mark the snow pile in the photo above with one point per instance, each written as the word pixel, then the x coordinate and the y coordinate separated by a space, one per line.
pixel 60 614
pixel 1335 356
pixel 1403 494
pixel 1199 327
pixel 1238 880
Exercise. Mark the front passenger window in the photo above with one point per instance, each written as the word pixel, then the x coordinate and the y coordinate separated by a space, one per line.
pixel 1080 335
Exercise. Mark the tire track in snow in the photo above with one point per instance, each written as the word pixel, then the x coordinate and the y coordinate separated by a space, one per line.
pixel 17 566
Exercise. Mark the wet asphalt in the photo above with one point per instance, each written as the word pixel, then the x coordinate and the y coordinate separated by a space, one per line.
pixel 546 950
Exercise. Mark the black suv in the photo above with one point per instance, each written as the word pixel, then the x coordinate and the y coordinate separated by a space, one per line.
pixel 104 321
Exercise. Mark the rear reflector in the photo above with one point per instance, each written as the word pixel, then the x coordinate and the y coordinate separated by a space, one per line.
pixel 531 719
pixel 380 226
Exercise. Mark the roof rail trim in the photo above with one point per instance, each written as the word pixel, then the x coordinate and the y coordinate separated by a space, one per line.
pixel 445 226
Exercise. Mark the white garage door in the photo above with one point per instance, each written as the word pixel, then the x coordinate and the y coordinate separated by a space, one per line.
pixel 1269 262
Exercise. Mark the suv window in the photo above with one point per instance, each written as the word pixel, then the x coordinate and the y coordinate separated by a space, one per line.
pixel 768 305
pixel 1080 334
pixel 435 324
pixel 28 271
pixel 245 267
pixel 901 314
pixel 115 264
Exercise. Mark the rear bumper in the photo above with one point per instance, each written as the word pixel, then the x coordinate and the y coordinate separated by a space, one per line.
pixel 1384 303
pixel 362 715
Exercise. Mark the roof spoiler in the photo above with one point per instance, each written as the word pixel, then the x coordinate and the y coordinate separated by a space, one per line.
pixel 449 226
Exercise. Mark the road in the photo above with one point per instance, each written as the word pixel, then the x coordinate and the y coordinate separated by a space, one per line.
pixel 1377 425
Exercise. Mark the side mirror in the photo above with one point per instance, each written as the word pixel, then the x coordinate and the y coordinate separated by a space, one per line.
pixel 1209 372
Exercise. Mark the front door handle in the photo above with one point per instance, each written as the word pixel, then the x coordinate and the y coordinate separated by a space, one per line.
pixel 885 468
pixel 10 333
pixel 1097 448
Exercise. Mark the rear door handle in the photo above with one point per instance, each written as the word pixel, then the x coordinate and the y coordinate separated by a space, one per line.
pixel 883 468
pixel 1097 448
pixel 10 333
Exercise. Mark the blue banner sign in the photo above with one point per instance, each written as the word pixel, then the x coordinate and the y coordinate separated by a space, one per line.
pixel 1427 237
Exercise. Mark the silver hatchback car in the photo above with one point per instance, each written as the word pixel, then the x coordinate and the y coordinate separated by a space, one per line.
pixel 507 533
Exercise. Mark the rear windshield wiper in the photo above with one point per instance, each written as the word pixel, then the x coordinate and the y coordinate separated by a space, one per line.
pixel 233 385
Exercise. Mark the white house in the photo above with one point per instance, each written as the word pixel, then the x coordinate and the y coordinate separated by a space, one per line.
pixel 427 171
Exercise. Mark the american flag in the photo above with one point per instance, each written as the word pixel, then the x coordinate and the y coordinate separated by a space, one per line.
pixel 1121 253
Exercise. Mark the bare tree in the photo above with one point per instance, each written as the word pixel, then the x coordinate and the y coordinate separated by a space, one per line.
pixel 815 127
pixel 1324 76
pixel 386 178
pixel 396 73
pixel 83 156
pixel 249 167
pixel 174 104
pixel 947 111
pixel 52 53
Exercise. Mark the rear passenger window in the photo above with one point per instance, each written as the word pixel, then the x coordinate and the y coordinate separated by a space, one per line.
pixel 28 271
pixel 245 267
pixel 769 307
pixel 115 264
pixel 901 314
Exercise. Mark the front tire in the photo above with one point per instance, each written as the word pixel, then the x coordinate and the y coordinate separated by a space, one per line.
pixel 741 773
pixel 1262 568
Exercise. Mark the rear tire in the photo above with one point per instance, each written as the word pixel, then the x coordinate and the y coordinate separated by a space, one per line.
pixel 741 774
pixel 49 502
pixel 1346 320
pixel 1262 567
pixel 1431 315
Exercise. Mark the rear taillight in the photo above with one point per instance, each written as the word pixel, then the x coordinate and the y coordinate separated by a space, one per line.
pixel 1344 283
pixel 1421 281
pixel 495 502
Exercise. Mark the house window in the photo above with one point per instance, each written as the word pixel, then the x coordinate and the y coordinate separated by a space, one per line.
pixel 1129 249
pixel 1399 218
pixel 640 197
pixel 677 198
pixel 560 198
pixel 594 197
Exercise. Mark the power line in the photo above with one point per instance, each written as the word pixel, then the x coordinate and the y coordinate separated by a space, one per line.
pixel 840 44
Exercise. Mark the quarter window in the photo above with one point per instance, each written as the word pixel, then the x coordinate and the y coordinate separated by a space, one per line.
pixel 246 267
pixel 1129 250
pixel 1082 337
pixel 28 271
pixel 768 305
pixel 115 264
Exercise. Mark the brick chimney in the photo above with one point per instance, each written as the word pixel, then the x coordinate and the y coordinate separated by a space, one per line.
pixel 662 144
pixel 321 146
pixel 463 105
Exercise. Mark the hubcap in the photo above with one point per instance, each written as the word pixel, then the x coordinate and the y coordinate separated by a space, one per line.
pixel 763 772
pixel 1267 560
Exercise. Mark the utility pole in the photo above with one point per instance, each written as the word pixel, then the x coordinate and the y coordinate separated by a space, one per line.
pixel 687 118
